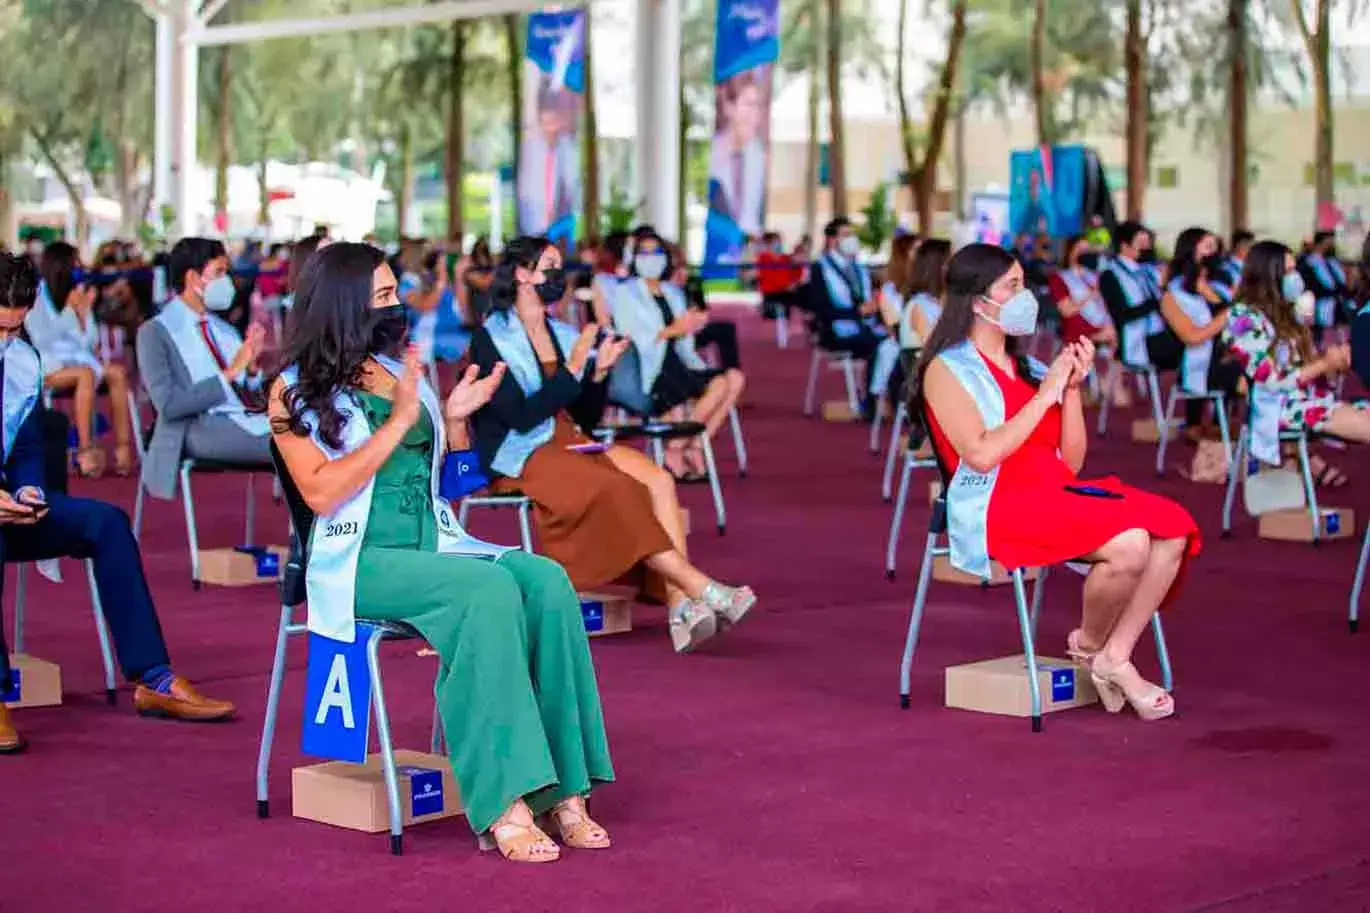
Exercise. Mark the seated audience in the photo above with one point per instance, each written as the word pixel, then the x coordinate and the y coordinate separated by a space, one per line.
pixel 62 328
pixel 363 438
pixel 198 371
pixel 1075 289
pixel 1323 275
pixel 603 514
pixel 718 334
pixel 36 526
pixel 1012 444
pixel 654 315
pixel 1197 314
pixel 927 283
pixel 845 312
pixel 894 291
pixel 1131 290
pixel 1360 325
pixel 1291 387
pixel 777 278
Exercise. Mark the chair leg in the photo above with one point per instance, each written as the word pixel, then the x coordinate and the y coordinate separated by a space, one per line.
pixel 101 633
pixel 250 512
pixel 715 485
pixel 463 511
pixel 20 586
pixel 392 779
pixel 920 598
pixel 1224 431
pixel 1353 615
pixel 438 743
pixel 1106 397
pixel 1309 489
pixel 739 442
pixel 1153 386
pixel 192 536
pixel 811 387
pixel 897 520
pixel 1162 653
pixel 138 508
pixel 1163 429
pixel 658 451
pixel 782 330
pixel 525 532
pixel 875 428
pixel 1038 590
pixel 273 706
pixel 849 377
pixel 1234 473
pixel 896 428
pixel 1029 651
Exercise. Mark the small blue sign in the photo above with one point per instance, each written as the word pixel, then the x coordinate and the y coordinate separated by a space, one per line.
pixel 1062 685
pixel 1331 522
pixel 337 698
pixel 592 611
pixel 268 562
pixel 425 790
pixel 15 692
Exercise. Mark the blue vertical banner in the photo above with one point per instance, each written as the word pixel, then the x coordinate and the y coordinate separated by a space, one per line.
pixel 337 698
pixel 549 178
pixel 1047 190
pixel 746 46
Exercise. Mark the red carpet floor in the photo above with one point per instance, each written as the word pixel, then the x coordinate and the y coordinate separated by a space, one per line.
pixel 774 770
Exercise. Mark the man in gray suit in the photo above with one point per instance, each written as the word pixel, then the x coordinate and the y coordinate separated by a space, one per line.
pixel 198 371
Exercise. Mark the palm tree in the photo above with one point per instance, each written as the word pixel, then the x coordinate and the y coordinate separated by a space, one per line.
pixel 1237 11
pixel 456 133
pixel 837 157
pixel 1138 105
pixel 1317 40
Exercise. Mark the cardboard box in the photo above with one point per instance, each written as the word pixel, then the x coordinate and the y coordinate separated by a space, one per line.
pixel 605 614
pixel 34 682
pixel 241 567
pixel 1144 431
pixel 839 410
pixel 942 570
pixel 1001 686
pixel 1297 525
pixel 353 795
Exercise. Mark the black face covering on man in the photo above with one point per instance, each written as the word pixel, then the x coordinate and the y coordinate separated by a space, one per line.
pixel 389 327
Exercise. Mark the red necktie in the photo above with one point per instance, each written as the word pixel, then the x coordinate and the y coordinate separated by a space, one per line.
pixel 218 356
pixel 549 189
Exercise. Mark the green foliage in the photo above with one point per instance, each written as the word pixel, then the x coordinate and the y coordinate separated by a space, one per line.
pixel 619 212
pixel 880 221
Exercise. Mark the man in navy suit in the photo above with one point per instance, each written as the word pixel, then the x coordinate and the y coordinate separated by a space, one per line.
pixel 35 525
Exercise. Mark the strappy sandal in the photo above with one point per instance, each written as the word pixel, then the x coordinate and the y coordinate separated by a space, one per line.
pixel 692 623
pixel 571 822
pixel 90 463
pixel 519 842
pixel 1152 703
pixel 731 604
pixel 1077 653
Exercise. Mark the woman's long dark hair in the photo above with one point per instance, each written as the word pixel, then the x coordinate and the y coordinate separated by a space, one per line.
pixel 929 271
pixel 524 251
pixel 1184 263
pixel 1262 290
pixel 970 273
pixel 58 267
pixel 328 337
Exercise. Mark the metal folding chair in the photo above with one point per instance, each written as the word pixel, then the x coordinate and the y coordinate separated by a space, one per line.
pixel 657 433
pixel 1116 370
pixel 1241 465
pixel 911 462
pixel 293 596
pixel 1028 614
pixel 841 361
pixel 519 502
pixel 1353 614
pixel 101 630
pixel 1163 428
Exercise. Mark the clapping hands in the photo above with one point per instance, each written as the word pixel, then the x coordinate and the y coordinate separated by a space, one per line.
pixel 470 394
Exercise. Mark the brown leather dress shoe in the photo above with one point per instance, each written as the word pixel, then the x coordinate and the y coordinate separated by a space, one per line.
pixel 182 702
pixel 11 742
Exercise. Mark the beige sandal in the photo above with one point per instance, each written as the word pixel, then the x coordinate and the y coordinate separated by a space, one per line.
pixel 519 842
pixel 572 823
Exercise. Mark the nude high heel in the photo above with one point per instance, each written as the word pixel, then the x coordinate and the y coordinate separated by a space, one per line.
pixel 1151 702
pixel 571 821
pixel 519 842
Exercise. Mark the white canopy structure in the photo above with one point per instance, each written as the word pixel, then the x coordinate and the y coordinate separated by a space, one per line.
pixel 185 26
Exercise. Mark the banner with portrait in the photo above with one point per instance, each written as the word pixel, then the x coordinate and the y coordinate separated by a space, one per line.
pixel 1057 191
pixel 746 46
pixel 549 178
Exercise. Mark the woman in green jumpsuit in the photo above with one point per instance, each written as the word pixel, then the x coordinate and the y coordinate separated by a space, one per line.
pixel 516 691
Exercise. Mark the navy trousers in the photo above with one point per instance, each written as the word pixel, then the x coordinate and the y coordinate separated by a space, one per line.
pixel 82 528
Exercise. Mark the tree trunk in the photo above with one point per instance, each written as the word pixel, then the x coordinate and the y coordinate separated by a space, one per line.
pixel 223 138
pixel 74 195
pixel 837 164
pixel 591 228
pixel 404 197
pixel 937 126
pixel 1041 105
pixel 1322 109
pixel 1236 107
pixel 906 138
pixel 1134 60
pixel 8 232
pixel 812 153
pixel 125 188
pixel 456 130
pixel 513 49
pixel 958 143
pixel 682 201
pixel 263 188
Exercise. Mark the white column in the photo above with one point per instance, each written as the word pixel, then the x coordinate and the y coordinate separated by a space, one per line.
pixel 162 142
pixel 658 110
pixel 186 108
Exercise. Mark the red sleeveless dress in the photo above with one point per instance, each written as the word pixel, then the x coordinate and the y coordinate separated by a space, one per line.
pixel 1034 521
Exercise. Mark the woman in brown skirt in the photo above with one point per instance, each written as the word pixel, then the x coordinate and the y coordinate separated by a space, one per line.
pixel 605 513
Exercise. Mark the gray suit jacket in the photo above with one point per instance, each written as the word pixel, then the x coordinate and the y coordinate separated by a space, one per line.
pixel 183 415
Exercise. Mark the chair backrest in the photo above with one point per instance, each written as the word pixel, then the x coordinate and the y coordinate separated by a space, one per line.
pixel 301 523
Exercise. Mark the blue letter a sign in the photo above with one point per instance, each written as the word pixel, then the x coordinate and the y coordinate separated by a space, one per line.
pixel 337 703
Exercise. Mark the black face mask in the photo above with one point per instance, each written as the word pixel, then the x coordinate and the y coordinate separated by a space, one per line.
pixel 389 327
pixel 1215 266
pixel 553 286
pixel 1147 256
pixel 1089 260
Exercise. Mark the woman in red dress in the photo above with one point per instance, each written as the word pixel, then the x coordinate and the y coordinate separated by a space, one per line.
pixel 1012 446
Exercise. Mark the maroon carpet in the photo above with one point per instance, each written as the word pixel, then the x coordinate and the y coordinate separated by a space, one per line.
pixel 773 771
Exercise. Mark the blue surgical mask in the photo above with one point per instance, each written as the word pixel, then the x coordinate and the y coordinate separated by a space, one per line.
pixel 650 265
pixel 218 294
pixel 1291 286
pixel 1017 315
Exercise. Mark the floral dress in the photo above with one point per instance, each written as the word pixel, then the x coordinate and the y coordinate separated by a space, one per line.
pixel 1272 365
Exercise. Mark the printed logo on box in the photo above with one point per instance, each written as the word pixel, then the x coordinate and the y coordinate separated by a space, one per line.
pixel 1331 522
pixel 15 692
pixel 268 562
pixel 1062 685
pixel 425 790
pixel 592 611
